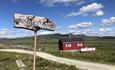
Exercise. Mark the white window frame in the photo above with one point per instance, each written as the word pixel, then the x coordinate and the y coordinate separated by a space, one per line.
pixel 68 45
pixel 79 44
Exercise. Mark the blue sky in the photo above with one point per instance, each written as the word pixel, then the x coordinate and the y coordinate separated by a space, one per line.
pixel 89 17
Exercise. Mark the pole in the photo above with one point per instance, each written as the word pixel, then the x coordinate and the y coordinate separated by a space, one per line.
pixel 34 52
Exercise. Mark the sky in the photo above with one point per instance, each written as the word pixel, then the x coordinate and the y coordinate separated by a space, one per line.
pixel 87 17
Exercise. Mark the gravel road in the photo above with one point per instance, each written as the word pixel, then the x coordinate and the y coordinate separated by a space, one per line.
pixel 80 64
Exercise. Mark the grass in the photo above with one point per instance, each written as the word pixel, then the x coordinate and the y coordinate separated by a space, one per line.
pixel 105 52
pixel 105 48
pixel 7 62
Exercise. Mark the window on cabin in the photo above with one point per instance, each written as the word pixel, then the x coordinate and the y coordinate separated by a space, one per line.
pixel 68 45
pixel 79 44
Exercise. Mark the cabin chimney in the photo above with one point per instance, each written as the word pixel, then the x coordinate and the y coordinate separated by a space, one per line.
pixel 69 35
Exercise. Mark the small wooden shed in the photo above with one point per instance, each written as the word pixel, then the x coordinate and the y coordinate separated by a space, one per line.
pixel 71 43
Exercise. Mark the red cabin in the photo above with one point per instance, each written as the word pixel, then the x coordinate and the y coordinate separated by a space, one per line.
pixel 71 44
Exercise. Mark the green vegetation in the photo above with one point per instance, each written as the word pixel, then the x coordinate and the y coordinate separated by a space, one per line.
pixel 105 47
pixel 7 62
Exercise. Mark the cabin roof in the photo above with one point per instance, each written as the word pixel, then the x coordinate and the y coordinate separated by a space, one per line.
pixel 71 39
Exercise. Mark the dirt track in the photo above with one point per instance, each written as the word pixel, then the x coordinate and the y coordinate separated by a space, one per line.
pixel 77 63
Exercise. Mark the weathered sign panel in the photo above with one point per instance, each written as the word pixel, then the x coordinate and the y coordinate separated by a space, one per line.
pixel 32 22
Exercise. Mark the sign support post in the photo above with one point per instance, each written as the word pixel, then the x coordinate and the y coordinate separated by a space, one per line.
pixel 34 52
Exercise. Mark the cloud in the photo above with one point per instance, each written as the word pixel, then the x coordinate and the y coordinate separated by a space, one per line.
pixel 105 29
pixel 80 25
pixel 91 8
pixel 73 27
pixel 106 32
pixel 99 13
pixel 79 3
pixel 108 22
pixel 17 33
pixel 90 32
pixel 48 32
pixel 4 33
pixel 76 28
pixel 99 32
pixel 51 3
pixel 84 28
pixel 84 24
pixel 86 31
pixel 7 33
pixel 57 30
pixel 72 14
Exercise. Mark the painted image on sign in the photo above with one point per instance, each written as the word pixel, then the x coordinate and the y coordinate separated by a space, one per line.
pixel 32 22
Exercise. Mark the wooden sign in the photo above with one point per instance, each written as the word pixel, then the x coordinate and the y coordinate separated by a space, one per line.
pixel 33 22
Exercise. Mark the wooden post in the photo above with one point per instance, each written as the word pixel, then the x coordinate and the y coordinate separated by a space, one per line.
pixel 34 52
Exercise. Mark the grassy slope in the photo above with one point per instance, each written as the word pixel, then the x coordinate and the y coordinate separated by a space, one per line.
pixel 105 52
pixel 7 62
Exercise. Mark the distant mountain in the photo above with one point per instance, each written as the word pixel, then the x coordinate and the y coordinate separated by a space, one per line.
pixel 107 37
pixel 57 36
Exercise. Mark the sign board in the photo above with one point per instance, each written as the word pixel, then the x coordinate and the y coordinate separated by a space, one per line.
pixel 87 49
pixel 33 23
